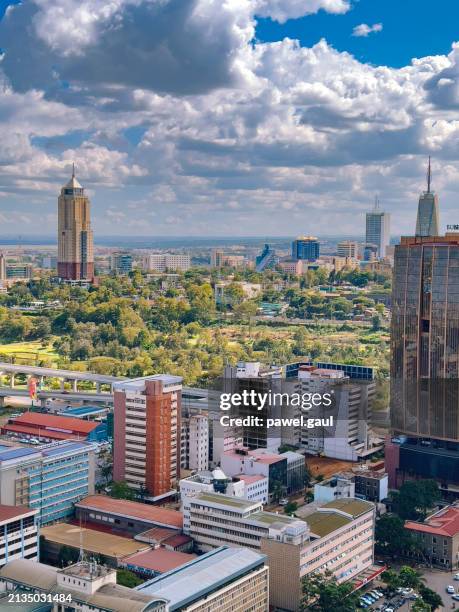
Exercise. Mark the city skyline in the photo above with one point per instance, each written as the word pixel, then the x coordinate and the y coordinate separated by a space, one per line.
pixel 216 137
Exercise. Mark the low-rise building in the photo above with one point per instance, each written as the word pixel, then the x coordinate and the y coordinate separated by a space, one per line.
pixel 100 544
pixel 164 262
pixel 50 427
pixel 125 516
pixel 337 487
pixel 82 587
pixel 18 533
pixel 223 579
pixel 438 537
pixel 371 484
pixel 291 266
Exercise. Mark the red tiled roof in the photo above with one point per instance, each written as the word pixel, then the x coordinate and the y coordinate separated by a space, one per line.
pixel 445 522
pixel 67 424
pixel 41 433
pixel 136 510
pixel 11 512
pixel 177 540
pixel 159 559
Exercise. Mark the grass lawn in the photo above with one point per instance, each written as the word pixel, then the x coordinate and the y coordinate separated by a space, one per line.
pixel 29 353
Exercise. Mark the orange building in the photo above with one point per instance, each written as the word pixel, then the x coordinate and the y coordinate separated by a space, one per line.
pixel 146 450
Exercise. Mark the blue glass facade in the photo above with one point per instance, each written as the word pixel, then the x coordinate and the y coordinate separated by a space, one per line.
pixel 307 249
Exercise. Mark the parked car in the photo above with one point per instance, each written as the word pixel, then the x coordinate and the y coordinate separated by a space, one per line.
pixel 456 576
pixel 450 589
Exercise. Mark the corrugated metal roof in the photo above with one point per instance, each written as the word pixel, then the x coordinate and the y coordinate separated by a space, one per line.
pixel 193 580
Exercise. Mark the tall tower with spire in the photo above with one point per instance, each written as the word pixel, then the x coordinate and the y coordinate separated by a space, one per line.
pixel 75 258
pixel 427 223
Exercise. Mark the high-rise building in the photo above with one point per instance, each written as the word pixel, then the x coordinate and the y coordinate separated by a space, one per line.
pixel 378 229
pixel 427 223
pixel 199 442
pixel 146 446
pixel 306 248
pixel 121 263
pixel 425 359
pixel 347 248
pixel 75 259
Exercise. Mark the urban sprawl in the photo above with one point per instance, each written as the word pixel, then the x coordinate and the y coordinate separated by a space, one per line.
pixel 126 486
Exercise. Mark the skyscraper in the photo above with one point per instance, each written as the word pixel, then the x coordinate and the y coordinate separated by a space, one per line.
pixel 378 229
pixel 146 445
pixel 427 223
pixel 425 359
pixel 306 247
pixel 75 259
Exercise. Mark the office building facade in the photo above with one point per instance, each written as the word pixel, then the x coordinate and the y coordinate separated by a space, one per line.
pixel 378 230
pixel 75 258
pixel 50 479
pixel 348 249
pixel 425 359
pixel 306 248
pixel 121 263
pixel 146 446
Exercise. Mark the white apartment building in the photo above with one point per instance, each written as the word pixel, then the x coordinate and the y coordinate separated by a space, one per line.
pixel 198 442
pixel 18 533
pixel 348 248
pixel 251 488
pixel 165 262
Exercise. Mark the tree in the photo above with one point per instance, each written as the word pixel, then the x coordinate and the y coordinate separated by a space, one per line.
pixel 415 498
pixel 322 593
pixel 127 578
pixel 430 597
pixel 121 490
pixel 291 507
pixel 391 536
pixel 420 606
pixel 375 322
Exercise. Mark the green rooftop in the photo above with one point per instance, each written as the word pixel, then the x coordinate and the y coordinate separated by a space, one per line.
pixel 324 523
pixel 270 518
pixel 226 500
pixel 350 505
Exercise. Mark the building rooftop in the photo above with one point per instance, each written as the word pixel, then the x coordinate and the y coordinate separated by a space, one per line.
pixel 109 597
pixel 249 479
pixel 324 523
pixel 132 509
pixel 7 513
pixel 201 576
pixel 57 423
pixel 271 518
pixel 138 384
pixel 95 542
pixel 445 522
pixel 226 500
pixel 349 505
pixel 158 559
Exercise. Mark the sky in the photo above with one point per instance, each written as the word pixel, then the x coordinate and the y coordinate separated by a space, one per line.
pixel 228 117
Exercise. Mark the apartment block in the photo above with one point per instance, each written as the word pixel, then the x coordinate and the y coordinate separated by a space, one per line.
pixel 198 442
pixel 167 262
pixel 146 446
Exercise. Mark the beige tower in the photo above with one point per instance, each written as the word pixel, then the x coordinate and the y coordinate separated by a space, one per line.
pixel 75 258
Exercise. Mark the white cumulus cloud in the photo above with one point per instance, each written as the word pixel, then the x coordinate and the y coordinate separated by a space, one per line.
pixel 364 29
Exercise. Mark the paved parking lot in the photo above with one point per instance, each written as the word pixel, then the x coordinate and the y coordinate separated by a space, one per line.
pixel 438 581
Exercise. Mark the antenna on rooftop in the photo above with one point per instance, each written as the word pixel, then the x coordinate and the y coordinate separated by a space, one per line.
pixel 429 176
